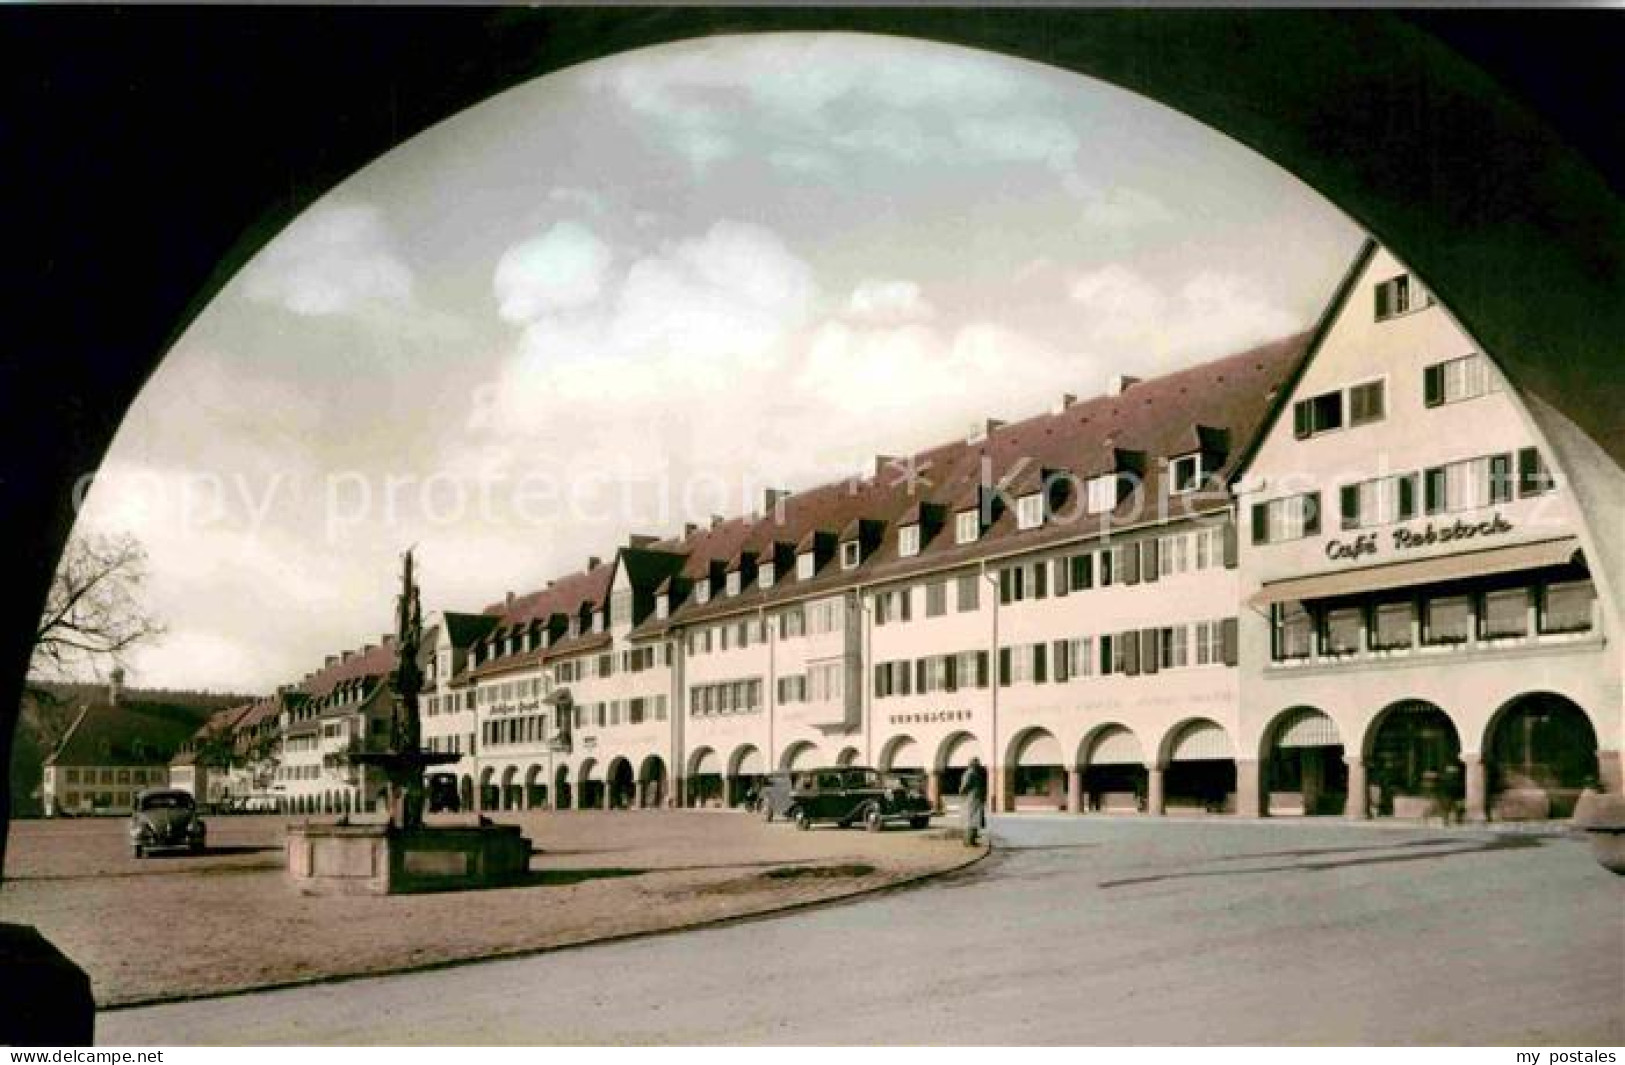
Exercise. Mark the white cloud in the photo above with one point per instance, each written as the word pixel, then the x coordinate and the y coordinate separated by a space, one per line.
pixel 563 268
pixel 1128 317
pixel 332 259
pixel 889 301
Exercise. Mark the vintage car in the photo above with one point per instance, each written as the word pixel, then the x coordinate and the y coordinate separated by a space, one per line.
pixel 852 794
pixel 165 818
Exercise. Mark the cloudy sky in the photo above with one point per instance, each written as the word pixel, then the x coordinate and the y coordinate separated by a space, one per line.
pixel 639 291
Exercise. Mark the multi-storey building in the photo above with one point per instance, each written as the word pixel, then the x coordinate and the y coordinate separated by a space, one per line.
pixel 1056 596
pixel 117 745
pixel 1421 624
pixel 1337 573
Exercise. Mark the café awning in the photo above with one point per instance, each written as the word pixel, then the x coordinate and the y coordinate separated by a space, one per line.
pixel 1507 559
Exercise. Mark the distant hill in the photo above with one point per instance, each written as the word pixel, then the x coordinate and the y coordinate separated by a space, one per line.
pixel 51 707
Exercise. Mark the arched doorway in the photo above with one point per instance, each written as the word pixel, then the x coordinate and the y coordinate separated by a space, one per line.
pixel 848 756
pixel 652 782
pixel 704 787
pixel 1304 770
pixel 563 794
pixel 1200 773
pixel 621 784
pixel 953 756
pixel 1037 776
pixel 465 792
pixel 1114 774
pixel 746 767
pixel 1413 760
pixel 535 788
pixel 800 755
pixel 489 798
pixel 589 792
pixel 1540 752
pixel 512 798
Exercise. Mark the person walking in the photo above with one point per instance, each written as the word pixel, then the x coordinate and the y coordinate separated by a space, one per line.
pixel 974 791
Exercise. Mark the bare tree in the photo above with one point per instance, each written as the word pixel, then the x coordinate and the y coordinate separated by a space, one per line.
pixel 92 614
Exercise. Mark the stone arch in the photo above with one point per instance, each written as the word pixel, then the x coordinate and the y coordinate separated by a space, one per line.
pixel 510 799
pixel 704 783
pixel 1034 771
pixel 563 792
pixel 535 787
pixel 465 792
pixel 1412 754
pixel 951 757
pixel 589 790
pixel 848 756
pixel 802 754
pixel 1198 760
pixel 1540 751
pixel 1301 764
pixel 746 767
pixel 902 752
pixel 620 784
pixel 652 782
pixel 1115 778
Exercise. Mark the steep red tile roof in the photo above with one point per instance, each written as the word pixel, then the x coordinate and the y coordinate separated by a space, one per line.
pixel 368 663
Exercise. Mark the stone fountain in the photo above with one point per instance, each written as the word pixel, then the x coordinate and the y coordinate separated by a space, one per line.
pixel 403 854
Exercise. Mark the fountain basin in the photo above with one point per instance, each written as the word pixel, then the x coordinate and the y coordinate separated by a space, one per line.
pixel 336 858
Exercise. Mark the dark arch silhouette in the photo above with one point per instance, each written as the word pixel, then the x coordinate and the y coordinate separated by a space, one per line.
pixel 153 162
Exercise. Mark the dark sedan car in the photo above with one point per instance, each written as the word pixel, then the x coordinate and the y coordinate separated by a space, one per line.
pixel 853 794
pixel 165 819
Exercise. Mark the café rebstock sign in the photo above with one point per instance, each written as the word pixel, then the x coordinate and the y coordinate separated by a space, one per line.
pixel 1409 538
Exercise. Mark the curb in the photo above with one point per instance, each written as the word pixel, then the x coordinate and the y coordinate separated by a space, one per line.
pixel 906 883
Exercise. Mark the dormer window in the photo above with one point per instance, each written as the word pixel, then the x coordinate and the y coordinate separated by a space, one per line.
pixel 806 566
pixel 575 626
pixel 1186 473
pixel 908 541
pixel 764 576
pixel 662 607
pixel 597 621
pixel 1101 494
pixel 702 592
pixel 967 527
pixel 732 585
pixel 1030 511
pixel 851 554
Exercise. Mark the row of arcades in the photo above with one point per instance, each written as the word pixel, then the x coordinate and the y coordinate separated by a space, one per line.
pixel 1538 753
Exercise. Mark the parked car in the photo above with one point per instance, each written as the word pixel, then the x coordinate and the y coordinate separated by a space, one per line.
pixel 775 794
pixel 165 819
pixel 442 793
pixel 853 794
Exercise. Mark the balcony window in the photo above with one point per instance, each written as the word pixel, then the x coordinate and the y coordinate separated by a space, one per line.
pixel 1506 614
pixel 1567 607
pixel 1446 619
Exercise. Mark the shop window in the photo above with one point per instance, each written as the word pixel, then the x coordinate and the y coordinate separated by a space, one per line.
pixel 1391 626
pixel 1340 631
pixel 1506 614
pixel 1446 619
pixel 1567 607
pixel 1292 628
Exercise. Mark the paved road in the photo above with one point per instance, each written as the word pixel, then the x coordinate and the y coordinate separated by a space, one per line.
pixel 1077 931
